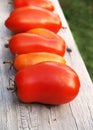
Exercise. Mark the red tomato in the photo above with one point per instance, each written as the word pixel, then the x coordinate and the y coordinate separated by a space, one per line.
pixel 26 18
pixel 48 83
pixel 46 4
pixel 26 43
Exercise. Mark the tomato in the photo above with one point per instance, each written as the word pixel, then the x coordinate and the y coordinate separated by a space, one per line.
pixel 26 18
pixel 45 33
pixel 26 43
pixel 46 4
pixel 24 60
pixel 47 83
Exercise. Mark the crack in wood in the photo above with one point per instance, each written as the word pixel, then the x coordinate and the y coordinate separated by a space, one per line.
pixel 73 117
pixel 90 112
pixel 23 116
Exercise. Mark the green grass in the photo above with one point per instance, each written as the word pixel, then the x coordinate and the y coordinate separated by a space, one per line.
pixel 79 14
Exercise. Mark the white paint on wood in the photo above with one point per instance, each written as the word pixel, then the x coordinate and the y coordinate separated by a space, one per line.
pixel 14 115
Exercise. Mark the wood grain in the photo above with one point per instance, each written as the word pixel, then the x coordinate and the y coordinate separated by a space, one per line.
pixel 14 115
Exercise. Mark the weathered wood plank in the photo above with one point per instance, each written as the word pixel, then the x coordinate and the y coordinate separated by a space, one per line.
pixel 77 115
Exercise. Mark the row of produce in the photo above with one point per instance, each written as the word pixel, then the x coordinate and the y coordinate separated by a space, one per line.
pixel 42 74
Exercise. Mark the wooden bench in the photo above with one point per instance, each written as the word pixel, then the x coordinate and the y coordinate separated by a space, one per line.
pixel 76 115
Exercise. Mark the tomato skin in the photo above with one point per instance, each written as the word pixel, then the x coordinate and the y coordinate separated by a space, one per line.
pixel 26 43
pixel 24 60
pixel 48 83
pixel 26 18
pixel 46 4
pixel 44 32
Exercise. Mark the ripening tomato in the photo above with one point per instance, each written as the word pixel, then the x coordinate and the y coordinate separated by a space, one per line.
pixel 46 4
pixel 45 33
pixel 48 83
pixel 24 60
pixel 26 43
pixel 26 18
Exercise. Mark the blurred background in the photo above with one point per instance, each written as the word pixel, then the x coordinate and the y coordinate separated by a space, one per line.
pixel 79 14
